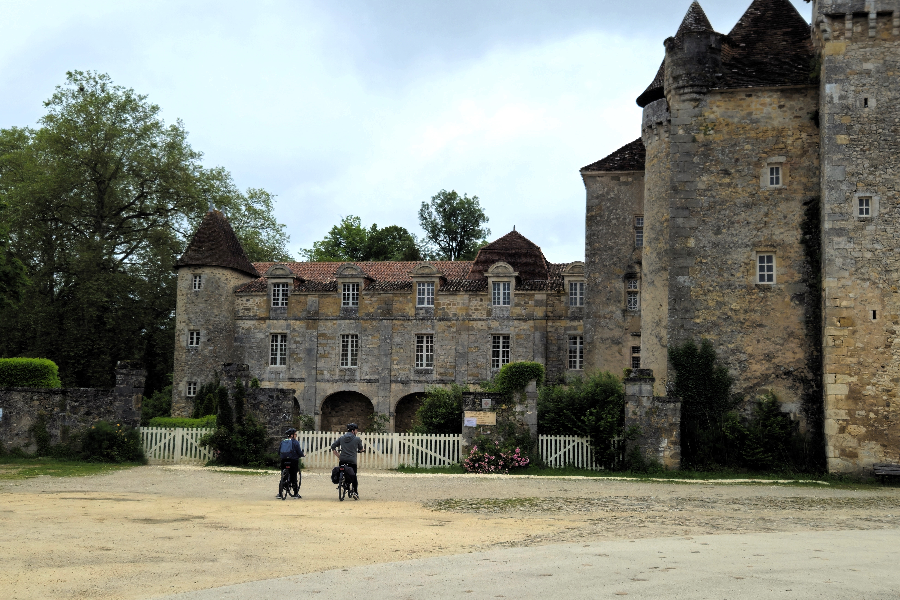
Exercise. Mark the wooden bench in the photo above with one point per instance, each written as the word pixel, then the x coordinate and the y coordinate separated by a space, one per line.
pixel 885 470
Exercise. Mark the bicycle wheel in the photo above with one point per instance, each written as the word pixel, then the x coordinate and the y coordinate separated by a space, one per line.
pixel 341 489
pixel 284 487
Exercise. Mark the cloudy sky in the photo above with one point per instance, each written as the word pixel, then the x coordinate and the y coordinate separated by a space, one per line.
pixel 369 108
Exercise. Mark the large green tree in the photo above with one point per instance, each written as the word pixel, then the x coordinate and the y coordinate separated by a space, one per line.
pixel 100 200
pixel 350 241
pixel 454 225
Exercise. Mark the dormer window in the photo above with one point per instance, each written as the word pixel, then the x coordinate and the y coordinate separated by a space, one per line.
pixel 576 293
pixel 279 295
pixel 501 293
pixel 425 293
pixel 350 294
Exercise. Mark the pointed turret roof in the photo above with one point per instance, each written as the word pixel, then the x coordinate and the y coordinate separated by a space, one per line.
pixel 695 21
pixel 519 252
pixel 215 245
pixel 630 157
pixel 656 89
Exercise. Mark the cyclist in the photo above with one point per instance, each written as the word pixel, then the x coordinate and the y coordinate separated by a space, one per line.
pixel 291 453
pixel 349 445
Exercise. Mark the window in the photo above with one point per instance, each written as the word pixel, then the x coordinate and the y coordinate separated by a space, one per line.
pixel 576 293
pixel 191 388
pixel 425 351
pixel 278 350
pixel 576 352
pixel 501 293
pixel 632 294
pixel 635 357
pixel 279 295
pixel 638 231
pixel 774 176
pixel 765 268
pixel 350 294
pixel 194 338
pixel 425 293
pixel 499 350
pixel 196 282
pixel 350 347
pixel 864 207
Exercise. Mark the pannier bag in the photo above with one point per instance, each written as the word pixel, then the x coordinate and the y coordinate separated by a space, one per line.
pixel 335 475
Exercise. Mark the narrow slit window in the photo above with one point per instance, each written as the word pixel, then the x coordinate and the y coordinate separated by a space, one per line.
pixel 774 176
pixel 865 103
pixel 639 231
pixel 874 315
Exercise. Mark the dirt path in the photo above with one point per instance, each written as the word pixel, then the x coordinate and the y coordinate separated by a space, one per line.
pixel 158 530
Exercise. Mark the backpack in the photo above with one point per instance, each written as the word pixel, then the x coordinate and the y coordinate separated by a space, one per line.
pixel 287 449
pixel 335 475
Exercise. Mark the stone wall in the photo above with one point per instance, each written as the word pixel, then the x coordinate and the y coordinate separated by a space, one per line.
pixel 613 202
pixel 657 418
pixel 513 415
pixel 860 117
pixel 69 410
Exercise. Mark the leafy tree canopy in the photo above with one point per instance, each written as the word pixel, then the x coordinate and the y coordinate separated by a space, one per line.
pixel 99 201
pixel 351 242
pixel 454 225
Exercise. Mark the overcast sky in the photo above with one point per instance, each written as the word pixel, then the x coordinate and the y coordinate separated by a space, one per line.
pixel 369 108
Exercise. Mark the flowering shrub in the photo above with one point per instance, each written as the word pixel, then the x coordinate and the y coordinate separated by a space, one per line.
pixel 488 459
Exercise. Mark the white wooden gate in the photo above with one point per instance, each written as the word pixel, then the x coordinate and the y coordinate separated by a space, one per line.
pixel 563 450
pixel 177 445
pixel 383 450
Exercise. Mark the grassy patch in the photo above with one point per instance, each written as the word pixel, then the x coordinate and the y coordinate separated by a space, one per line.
pixel 26 468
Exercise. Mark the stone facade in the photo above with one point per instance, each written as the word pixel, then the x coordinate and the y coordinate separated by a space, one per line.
pixel 245 319
pixel 70 410
pixel 750 161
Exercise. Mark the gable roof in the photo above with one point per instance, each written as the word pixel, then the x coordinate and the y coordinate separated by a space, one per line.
pixel 770 46
pixel 215 245
pixel 514 248
pixel 630 157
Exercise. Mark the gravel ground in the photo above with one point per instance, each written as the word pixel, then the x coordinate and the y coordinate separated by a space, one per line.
pixel 151 531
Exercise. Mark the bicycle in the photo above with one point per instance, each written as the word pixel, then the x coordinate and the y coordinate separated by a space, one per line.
pixel 284 486
pixel 343 485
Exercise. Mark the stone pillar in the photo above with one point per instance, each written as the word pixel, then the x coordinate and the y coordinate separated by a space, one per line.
pixel 657 418
pixel 129 391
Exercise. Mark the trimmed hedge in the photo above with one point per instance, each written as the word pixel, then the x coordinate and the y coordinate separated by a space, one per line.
pixel 29 372
pixel 201 423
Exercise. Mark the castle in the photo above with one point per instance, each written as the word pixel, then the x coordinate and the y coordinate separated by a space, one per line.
pixel 758 209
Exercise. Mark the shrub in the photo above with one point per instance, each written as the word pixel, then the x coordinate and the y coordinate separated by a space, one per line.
pixel 29 372
pixel 303 422
pixel 241 441
pixel 488 456
pixel 515 376
pixel 41 435
pixel 768 439
pixel 441 410
pixel 380 422
pixel 157 405
pixel 592 406
pixel 201 423
pixel 105 442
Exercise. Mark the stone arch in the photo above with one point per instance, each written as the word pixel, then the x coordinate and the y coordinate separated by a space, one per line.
pixel 341 408
pixel 405 411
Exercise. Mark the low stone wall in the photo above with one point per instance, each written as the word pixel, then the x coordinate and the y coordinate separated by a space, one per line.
pixel 69 410
pixel 488 414
pixel 657 418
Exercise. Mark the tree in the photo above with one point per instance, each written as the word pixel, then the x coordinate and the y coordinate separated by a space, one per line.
pixel 349 241
pixel 454 225
pixel 100 200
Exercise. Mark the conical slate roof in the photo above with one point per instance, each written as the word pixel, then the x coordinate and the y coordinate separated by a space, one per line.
pixel 656 89
pixel 630 157
pixel 695 21
pixel 522 254
pixel 215 245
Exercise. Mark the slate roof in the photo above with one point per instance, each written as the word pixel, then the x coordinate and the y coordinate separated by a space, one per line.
pixel 215 245
pixel 630 157
pixel 535 273
pixel 770 46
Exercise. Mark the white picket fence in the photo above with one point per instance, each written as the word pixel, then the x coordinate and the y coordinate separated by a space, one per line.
pixel 383 450
pixel 164 445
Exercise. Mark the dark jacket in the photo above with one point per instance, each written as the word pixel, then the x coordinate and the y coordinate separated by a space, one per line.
pixel 296 451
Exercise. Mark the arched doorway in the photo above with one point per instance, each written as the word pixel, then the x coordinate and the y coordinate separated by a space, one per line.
pixel 405 412
pixel 341 408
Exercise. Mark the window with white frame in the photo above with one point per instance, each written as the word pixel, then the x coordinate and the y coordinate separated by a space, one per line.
pixel 194 338
pixel 576 352
pixel 774 175
pixel 425 293
pixel 576 293
pixel 864 207
pixel 349 349
pixel 765 268
pixel 191 388
pixel 196 282
pixel 501 293
pixel 632 294
pixel 279 295
pixel 424 351
pixel 350 294
pixel 639 231
pixel 635 357
pixel 499 351
pixel 278 350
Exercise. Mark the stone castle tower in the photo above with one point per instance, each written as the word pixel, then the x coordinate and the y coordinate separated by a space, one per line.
pixel 758 210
